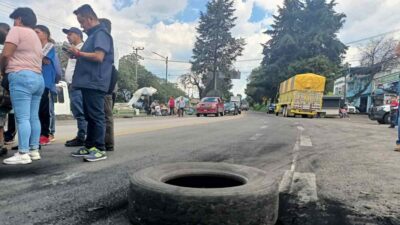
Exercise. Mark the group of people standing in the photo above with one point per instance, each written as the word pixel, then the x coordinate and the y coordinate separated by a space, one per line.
pixel 180 104
pixel 30 70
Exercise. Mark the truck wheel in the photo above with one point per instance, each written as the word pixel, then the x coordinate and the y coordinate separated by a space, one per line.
pixel 386 119
pixel 202 193
pixel 381 121
pixel 198 114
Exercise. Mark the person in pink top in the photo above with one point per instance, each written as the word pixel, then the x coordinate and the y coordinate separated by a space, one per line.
pixel 171 104
pixel 21 59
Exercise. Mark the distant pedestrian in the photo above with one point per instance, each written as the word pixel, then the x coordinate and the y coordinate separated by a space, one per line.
pixel 171 104
pixel 394 105
pixel 398 117
pixel 181 106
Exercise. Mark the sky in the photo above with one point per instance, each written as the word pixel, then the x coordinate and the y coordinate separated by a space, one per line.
pixel 168 27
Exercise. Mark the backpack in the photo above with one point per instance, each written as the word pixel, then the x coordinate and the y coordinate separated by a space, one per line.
pixel 114 79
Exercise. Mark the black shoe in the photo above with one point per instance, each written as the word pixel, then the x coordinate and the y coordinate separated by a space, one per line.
pixel 109 149
pixel 3 151
pixel 76 142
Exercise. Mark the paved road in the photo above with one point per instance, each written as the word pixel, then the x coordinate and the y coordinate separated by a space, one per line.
pixel 60 189
pixel 341 169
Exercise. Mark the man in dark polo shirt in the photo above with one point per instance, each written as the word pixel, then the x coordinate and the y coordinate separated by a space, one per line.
pixel 92 76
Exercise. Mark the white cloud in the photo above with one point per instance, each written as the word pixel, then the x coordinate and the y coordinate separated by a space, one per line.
pixel 137 26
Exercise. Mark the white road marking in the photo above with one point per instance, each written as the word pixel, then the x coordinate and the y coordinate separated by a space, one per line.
pixel 255 137
pixel 304 186
pixel 263 127
pixel 305 141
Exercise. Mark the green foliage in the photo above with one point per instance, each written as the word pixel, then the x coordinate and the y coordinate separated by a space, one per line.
pixel 303 40
pixel 215 48
pixel 127 81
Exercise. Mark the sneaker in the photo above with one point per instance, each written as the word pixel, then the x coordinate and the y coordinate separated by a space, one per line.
pixel 95 155
pixel 3 151
pixel 18 158
pixel 44 140
pixel 81 152
pixel 76 142
pixel 34 154
pixel 51 138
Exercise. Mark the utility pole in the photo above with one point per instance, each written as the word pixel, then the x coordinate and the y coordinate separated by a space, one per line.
pixel 137 49
pixel 166 65
pixel 345 83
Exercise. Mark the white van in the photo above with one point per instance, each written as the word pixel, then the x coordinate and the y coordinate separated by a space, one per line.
pixel 62 103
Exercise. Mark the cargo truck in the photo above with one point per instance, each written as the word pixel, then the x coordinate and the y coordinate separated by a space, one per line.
pixel 301 95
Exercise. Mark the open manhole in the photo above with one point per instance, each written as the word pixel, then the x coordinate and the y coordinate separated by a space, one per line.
pixel 206 181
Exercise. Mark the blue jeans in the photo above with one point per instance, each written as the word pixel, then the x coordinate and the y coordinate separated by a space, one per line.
pixel 26 88
pixel 52 114
pixel 77 112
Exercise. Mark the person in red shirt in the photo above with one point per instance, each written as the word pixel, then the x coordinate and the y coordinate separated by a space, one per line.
pixel 394 105
pixel 171 104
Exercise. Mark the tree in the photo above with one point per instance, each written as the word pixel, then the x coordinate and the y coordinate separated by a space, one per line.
pixel 377 56
pixel 127 81
pixel 303 39
pixel 215 49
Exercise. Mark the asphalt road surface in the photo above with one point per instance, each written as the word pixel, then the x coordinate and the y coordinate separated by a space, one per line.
pixel 345 165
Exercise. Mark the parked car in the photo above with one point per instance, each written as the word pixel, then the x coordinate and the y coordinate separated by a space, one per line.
pixel 380 114
pixel 271 108
pixel 231 108
pixel 210 105
pixel 351 109
pixel 245 106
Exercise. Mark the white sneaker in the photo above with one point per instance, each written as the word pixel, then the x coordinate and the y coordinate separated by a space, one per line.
pixel 18 159
pixel 34 154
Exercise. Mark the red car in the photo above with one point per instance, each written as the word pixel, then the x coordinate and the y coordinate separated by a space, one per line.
pixel 210 105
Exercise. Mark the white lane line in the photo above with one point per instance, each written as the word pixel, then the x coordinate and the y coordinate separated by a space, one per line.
pixel 255 137
pixel 300 128
pixel 304 186
pixel 305 141
pixel 263 127
pixel 296 150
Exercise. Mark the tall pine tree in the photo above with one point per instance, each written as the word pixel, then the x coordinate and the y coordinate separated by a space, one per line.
pixel 303 39
pixel 215 49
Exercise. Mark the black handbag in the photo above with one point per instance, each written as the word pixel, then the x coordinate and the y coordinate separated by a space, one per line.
pixel 5 82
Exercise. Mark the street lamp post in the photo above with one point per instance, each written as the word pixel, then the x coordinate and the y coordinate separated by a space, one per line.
pixel 166 65
pixel 137 49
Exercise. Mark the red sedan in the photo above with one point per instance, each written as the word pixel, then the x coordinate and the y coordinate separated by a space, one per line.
pixel 210 105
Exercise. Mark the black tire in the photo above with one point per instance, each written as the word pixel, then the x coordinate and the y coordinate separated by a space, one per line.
pixel 154 202
pixel 198 115
pixel 386 119
pixel 222 113
pixel 205 115
pixel 381 121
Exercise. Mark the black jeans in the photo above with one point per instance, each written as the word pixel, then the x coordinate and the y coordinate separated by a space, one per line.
pixel 44 113
pixel 93 107
pixel 108 107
